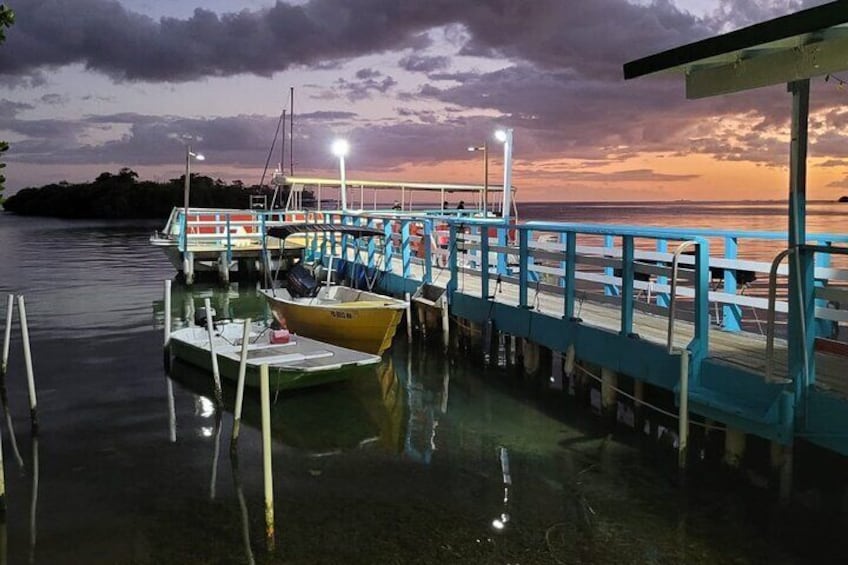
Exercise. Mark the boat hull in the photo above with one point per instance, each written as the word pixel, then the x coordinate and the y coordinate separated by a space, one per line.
pixel 281 377
pixel 353 325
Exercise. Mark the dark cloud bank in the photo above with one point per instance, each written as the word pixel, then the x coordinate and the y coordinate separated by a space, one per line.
pixel 562 90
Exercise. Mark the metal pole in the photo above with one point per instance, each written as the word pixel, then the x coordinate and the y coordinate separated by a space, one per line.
pixel 485 179
pixel 265 399
pixel 507 185
pixel 683 422
pixel 6 338
pixel 33 411
pixel 187 187
pixel 216 375
pixel 343 182
pixel 291 132
pixel 245 338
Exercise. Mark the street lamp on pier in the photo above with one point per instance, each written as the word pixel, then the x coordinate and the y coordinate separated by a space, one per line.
pixel 485 149
pixel 340 148
pixel 189 155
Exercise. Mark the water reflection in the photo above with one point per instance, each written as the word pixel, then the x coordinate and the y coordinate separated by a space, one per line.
pixel 320 420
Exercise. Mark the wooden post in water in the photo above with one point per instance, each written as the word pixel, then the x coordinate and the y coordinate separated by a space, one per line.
pixel 245 338
pixel 6 339
pixel 216 375
pixel 167 340
pixel 2 483
pixel 265 399
pixel 446 322
pixel 33 402
pixel 408 317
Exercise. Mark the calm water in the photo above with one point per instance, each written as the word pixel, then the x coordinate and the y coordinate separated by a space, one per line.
pixel 407 465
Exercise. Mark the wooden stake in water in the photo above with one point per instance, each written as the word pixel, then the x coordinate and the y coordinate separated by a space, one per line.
pixel 216 375
pixel 6 338
pixel 2 482
pixel 265 399
pixel 408 318
pixel 245 339
pixel 167 313
pixel 33 402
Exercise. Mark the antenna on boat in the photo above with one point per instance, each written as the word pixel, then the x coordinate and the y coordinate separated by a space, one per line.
pixel 291 133
pixel 283 146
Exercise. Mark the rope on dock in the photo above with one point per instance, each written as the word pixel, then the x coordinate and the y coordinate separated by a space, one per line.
pixel 647 404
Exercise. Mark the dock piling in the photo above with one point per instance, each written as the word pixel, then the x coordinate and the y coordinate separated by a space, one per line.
pixel 167 339
pixel 7 336
pixel 245 338
pixel 33 402
pixel 265 399
pixel 445 322
pixel 2 482
pixel 408 317
pixel 216 374
pixel 609 394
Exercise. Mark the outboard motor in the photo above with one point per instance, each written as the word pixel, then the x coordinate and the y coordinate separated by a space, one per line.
pixel 301 283
pixel 200 316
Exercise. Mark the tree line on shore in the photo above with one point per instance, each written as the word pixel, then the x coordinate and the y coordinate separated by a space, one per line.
pixel 122 195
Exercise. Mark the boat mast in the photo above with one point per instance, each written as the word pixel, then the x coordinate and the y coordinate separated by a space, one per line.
pixel 291 132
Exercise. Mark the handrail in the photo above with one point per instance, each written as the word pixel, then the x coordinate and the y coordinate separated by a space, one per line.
pixel 673 299
pixel 772 297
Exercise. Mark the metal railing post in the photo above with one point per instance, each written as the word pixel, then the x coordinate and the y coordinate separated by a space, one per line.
pixel 627 256
pixel 523 266
pixel 570 274
pixel 732 313
pixel 428 250
pixel 484 262
pixel 405 250
pixel 662 297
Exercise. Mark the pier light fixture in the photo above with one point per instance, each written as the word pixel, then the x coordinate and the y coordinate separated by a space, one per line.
pixel 340 149
pixel 198 157
pixel 485 149
pixel 505 137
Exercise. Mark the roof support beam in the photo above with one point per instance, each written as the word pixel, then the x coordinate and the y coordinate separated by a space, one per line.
pixel 813 59
pixel 801 285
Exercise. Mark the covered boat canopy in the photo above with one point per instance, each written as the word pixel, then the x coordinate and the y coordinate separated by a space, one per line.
pixel 282 232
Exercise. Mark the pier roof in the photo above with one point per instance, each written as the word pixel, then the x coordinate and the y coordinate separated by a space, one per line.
pixel 805 44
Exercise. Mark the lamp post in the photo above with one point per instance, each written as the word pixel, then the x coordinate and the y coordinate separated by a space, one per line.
pixel 485 149
pixel 340 148
pixel 505 137
pixel 189 155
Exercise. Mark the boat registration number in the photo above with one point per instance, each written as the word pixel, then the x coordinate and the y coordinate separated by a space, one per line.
pixel 341 314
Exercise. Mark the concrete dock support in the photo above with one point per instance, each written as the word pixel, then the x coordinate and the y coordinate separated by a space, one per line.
pixel 531 356
pixel 609 395
pixel 782 464
pixel 734 448
pixel 223 268
pixel 188 267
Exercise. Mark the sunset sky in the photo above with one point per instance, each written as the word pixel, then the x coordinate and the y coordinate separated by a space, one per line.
pixel 94 85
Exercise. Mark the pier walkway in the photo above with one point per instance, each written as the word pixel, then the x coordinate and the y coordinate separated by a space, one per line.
pixel 606 291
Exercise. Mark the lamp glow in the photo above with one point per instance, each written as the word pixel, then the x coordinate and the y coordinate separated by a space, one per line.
pixel 500 135
pixel 340 147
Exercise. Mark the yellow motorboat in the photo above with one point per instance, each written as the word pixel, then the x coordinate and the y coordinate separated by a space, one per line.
pixel 338 314
pixel 344 316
